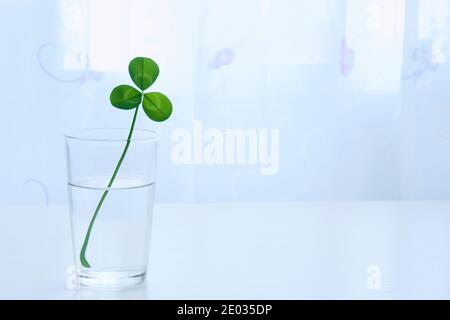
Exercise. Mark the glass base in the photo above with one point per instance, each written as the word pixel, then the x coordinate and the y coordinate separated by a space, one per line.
pixel 110 280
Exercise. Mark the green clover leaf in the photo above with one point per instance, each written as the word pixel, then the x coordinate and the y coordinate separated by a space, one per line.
pixel 143 72
pixel 125 97
pixel 157 106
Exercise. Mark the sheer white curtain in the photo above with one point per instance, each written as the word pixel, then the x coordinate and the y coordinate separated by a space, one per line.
pixel 356 88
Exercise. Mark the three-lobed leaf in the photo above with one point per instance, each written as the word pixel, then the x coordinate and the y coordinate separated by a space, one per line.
pixel 125 97
pixel 143 72
pixel 157 106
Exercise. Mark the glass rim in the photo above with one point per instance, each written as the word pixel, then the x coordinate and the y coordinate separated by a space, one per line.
pixel 77 134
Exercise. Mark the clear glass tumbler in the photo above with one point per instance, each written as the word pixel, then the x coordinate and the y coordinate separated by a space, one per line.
pixel 111 183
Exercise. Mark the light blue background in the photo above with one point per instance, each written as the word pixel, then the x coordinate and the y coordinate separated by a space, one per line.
pixel 359 90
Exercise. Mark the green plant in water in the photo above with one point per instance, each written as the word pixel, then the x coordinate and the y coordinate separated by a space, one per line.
pixel 143 72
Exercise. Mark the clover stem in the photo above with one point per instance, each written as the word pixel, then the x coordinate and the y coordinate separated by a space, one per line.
pixel 83 259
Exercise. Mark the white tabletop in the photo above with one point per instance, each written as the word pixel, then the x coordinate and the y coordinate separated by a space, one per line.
pixel 362 250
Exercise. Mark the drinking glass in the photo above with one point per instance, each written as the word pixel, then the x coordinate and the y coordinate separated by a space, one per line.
pixel 111 183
